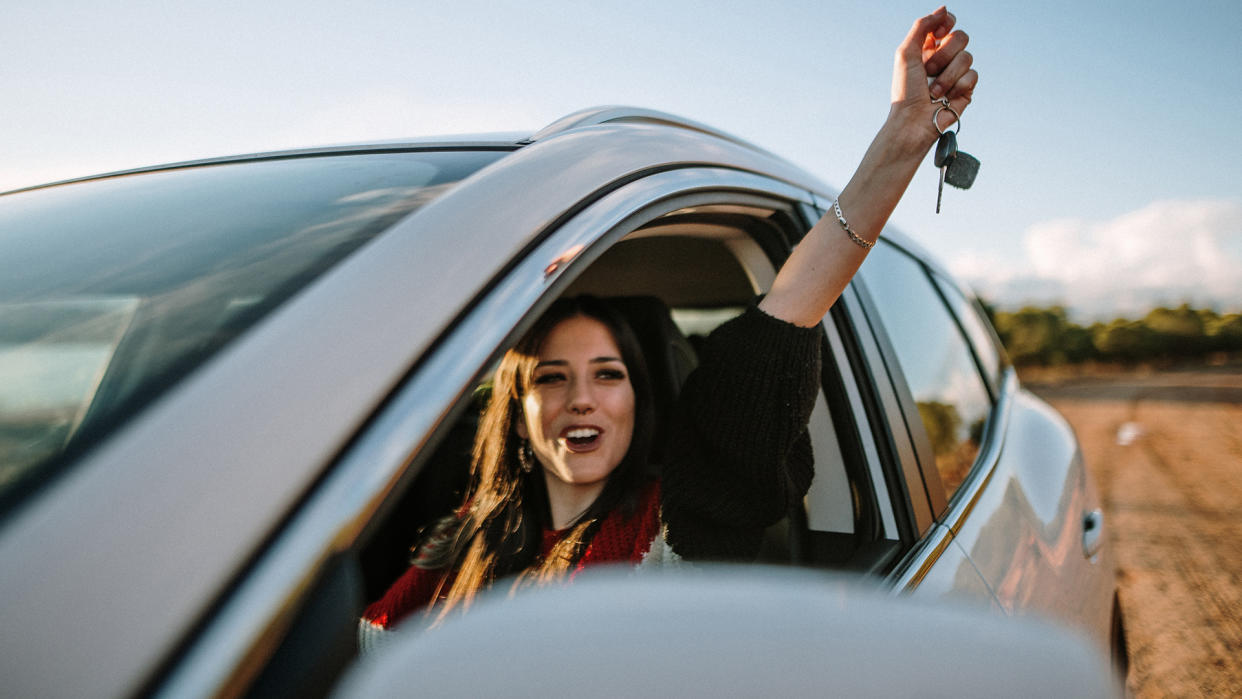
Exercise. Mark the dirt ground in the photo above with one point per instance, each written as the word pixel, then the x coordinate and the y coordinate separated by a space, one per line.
pixel 1166 451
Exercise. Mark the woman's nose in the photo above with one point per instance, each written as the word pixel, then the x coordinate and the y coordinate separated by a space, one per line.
pixel 582 399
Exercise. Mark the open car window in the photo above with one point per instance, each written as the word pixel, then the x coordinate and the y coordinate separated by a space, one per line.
pixel 675 279
pixel 410 465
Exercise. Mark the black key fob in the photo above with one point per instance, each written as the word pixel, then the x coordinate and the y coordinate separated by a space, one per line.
pixel 946 149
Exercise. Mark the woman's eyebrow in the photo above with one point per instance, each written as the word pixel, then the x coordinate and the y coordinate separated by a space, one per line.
pixel 564 362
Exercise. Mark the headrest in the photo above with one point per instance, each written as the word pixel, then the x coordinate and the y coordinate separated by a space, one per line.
pixel 670 356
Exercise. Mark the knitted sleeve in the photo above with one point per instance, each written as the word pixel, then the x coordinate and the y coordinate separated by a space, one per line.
pixel 740 455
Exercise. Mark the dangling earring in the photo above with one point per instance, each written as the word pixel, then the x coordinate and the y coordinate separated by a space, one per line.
pixel 526 456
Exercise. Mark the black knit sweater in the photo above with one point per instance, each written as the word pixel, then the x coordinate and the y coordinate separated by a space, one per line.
pixel 739 455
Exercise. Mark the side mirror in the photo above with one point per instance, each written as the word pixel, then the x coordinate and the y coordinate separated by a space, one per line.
pixel 734 631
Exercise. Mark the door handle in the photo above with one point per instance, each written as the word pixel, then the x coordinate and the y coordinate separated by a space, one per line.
pixel 1092 533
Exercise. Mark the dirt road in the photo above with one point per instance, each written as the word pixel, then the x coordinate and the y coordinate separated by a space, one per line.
pixel 1166 450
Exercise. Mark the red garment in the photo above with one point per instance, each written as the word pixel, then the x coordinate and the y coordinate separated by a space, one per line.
pixel 620 539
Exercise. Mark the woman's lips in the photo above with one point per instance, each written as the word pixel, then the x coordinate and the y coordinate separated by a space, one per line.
pixel 581 438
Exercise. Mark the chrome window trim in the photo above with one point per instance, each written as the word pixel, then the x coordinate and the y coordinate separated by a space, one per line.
pixel 957 509
pixel 991 379
pixel 954 510
pixel 925 460
pixel 999 389
pixel 968 494
pixel 918 563
pixel 999 346
pixel 877 366
pixel 871 453
pixel 266 600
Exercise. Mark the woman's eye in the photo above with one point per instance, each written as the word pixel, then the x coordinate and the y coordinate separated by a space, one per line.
pixel 544 379
pixel 611 374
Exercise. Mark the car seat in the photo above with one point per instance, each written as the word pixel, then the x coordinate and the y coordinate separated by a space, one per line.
pixel 670 357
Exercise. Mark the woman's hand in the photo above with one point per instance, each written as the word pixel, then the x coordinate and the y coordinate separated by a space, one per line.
pixel 933 51
pixel 826 259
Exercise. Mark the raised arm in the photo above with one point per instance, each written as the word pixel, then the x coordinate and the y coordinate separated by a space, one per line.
pixel 827 258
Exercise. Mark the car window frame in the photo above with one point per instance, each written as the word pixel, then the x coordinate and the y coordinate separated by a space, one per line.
pixel 880 410
pixel 954 512
pixel 1000 386
pixel 947 510
pixel 945 286
pixel 334 519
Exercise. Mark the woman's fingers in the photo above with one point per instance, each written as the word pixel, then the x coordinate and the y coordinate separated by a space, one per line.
pixel 933 49
pixel 959 96
pixel 947 49
pixel 963 91
pixel 924 35
pixel 929 47
pixel 948 76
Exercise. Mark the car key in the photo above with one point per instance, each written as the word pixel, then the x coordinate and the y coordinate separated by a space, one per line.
pixel 961 172
pixel 946 154
pixel 958 168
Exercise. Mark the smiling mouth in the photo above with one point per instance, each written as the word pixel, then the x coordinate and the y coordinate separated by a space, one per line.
pixel 582 439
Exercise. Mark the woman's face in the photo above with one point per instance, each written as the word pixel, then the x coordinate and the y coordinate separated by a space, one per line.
pixel 579 412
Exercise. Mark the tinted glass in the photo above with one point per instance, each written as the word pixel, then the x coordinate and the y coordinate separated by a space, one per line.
pixel 113 290
pixel 980 337
pixel 947 387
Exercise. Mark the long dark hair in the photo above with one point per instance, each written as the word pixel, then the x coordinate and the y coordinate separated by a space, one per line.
pixel 508 507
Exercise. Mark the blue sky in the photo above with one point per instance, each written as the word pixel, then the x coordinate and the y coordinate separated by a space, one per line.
pixel 1110 133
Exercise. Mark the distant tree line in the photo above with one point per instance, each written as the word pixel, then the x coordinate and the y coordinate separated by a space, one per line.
pixel 1046 337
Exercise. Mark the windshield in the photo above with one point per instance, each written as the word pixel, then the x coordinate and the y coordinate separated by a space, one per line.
pixel 113 290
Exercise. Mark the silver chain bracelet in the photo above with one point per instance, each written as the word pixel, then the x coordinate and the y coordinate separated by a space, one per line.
pixel 836 208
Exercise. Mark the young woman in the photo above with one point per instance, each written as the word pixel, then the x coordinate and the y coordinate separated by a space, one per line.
pixel 560 478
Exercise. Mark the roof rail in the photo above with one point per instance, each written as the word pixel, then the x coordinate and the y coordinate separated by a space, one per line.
pixel 614 114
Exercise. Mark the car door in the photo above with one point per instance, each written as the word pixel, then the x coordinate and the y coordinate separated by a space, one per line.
pixel 1015 513
pixel 945 415
pixel 1032 524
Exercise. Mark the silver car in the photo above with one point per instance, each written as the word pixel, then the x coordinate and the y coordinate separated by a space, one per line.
pixel 232 390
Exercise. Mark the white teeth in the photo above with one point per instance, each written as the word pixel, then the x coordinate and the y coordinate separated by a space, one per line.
pixel 582 433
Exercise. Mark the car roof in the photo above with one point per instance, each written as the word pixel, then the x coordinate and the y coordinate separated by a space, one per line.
pixel 492 141
pixel 615 115
pixel 592 116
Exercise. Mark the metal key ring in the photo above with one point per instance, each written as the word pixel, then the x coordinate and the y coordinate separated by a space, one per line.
pixel 944 102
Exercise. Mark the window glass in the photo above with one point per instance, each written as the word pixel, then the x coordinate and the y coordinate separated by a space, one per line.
pixel 112 290
pixel 980 338
pixel 952 399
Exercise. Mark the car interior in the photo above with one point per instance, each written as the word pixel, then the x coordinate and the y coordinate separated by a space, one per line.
pixel 675 276
pixel 675 279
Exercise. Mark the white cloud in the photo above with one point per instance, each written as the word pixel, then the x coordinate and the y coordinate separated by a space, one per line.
pixel 1165 253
